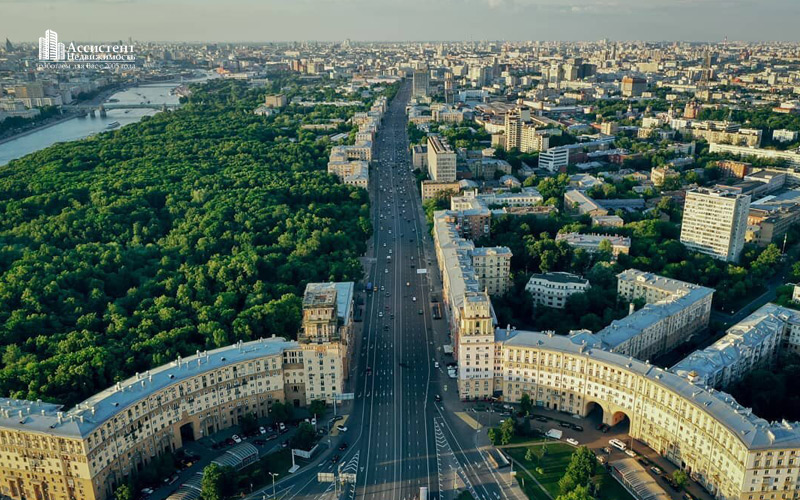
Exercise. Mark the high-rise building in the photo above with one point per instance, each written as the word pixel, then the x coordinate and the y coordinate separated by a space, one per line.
pixel 441 160
pixel 554 159
pixel 715 222
pixel 420 83
pixel 633 86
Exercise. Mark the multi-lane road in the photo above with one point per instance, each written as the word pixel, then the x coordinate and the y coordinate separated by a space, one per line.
pixel 400 438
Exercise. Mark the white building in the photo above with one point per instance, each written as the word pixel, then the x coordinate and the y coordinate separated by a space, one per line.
pixel 441 160
pixel 553 289
pixel 715 222
pixel 554 159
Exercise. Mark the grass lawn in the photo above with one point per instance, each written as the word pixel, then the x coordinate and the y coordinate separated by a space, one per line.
pixel 553 466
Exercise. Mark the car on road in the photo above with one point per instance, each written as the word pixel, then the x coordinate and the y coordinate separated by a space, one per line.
pixel 616 443
pixel 607 450
pixel 436 364
pixel 341 428
pixel 236 439
pixel 437 398
pixel 335 459
pixel 414 299
pixel 656 470
pixel 420 312
pixel 147 491
pixel 272 437
pixel 380 314
pixel 285 444
pixel 262 430
pixel 573 442
pixel 603 428
pixel 385 271
pixel 342 446
pixel 408 283
pixel 259 442
pixel 630 453
pixel 282 427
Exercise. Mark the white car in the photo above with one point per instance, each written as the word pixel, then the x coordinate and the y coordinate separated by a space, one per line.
pixel 414 299
pixel 385 271
pixel 262 430
pixel 436 364
pixel 236 439
pixel 281 426
pixel 341 428
pixel 380 314
pixel 573 442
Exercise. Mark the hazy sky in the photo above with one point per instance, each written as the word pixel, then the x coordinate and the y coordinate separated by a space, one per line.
pixel 271 20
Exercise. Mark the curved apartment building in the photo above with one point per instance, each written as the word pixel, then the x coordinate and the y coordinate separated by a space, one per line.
pixel 85 452
pixel 730 451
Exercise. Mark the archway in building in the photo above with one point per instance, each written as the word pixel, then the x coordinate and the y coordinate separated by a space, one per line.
pixel 594 413
pixel 620 421
pixel 187 433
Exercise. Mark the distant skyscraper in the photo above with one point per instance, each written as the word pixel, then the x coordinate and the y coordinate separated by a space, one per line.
pixel 9 47
pixel 715 222
pixel 420 83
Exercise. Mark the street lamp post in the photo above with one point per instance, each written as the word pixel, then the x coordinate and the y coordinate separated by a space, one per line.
pixel 273 482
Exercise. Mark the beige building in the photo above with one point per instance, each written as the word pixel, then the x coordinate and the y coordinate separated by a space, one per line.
pixel 553 289
pixel 353 172
pixel 441 160
pixel 84 453
pixel 715 222
pixel 276 100
pixel 493 268
pixel 430 189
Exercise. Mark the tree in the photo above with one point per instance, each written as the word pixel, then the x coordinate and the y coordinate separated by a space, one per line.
pixel 317 407
pixel 579 471
pixel 248 423
pixel 212 483
pixel 578 493
pixel 281 412
pixel 304 437
pixel 493 435
pixel 506 431
pixel 525 404
pixel 680 478
pixel 530 456
pixel 123 492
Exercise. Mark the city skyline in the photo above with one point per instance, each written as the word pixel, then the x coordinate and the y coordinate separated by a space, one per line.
pixel 360 20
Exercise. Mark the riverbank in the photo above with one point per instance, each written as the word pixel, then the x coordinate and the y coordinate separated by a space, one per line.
pixel 69 116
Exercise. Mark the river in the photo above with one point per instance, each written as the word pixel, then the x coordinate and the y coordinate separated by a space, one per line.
pixel 78 128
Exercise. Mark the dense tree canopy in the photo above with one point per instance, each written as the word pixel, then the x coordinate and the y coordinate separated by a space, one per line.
pixel 189 230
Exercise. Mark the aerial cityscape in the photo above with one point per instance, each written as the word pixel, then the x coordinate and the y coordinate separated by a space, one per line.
pixel 486 250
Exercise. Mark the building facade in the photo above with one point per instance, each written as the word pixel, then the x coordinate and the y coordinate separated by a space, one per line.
pixel 441 160
pixel 715 222
pixel 553 289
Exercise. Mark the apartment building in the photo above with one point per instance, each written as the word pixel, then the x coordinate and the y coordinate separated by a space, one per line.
pixel 431 189
pixel 674 312
pixel 715 222
pixel 419 157
pixel 420 82
pixel 276 100
pixel 733 168
pixel 633 86
pixel 660 175
pixel 493 268
pixel 353 173
pixel 553 289
pixel 752 343
pixel 792 158
pixel 731 452
pixel 84 453
pixel 326 338
pixel 522 134
pixel 592 242
pixel 441 160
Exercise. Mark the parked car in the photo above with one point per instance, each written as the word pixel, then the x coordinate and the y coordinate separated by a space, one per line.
pixel 262 430
pixel 656 470
pixel 573 442
pixel 282 427
pixel 341 428
pixel 259 442
pixel 236 439
pixel 540 418
pixel 343 446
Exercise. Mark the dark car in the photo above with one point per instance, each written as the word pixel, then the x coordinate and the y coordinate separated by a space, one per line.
pixel 335 459
pixel 566 425
pixel 259 442
pixel 437 397
pixel 540 418
pixel 577 427
pixel 271 437
pixel 343 446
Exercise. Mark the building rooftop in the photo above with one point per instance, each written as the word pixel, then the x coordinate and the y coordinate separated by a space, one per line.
pixel 559 277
